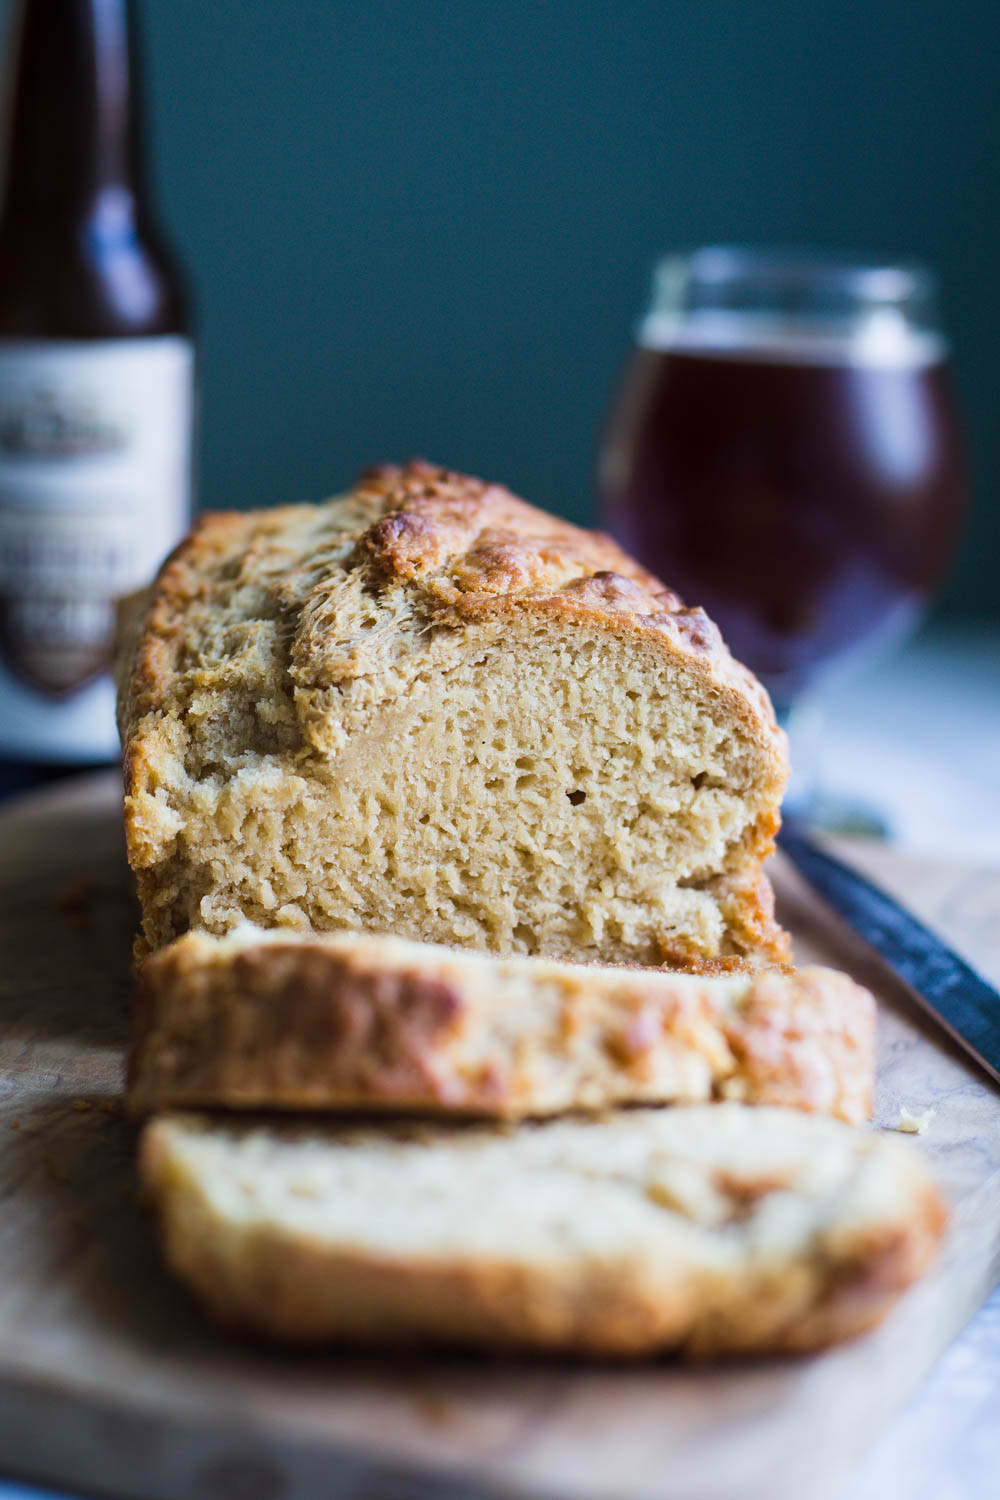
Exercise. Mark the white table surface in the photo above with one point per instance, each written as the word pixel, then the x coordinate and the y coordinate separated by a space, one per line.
pixel 920 737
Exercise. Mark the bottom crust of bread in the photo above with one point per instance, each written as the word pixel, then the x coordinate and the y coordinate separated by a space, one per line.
pixel 710 1230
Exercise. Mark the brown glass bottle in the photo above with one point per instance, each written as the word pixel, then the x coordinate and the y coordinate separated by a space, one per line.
pixel 96 376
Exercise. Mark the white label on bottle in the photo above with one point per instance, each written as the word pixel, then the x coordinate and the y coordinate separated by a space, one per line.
pixel 95 488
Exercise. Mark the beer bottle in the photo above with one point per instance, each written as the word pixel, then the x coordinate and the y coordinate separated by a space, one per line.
pixel 96 378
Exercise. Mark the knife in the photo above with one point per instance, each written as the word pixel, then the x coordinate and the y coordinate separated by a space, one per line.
pixel 951 992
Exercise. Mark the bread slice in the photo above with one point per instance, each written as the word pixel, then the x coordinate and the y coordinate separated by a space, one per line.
pixel 713 1228
pixel 265 1019
pixel 428 708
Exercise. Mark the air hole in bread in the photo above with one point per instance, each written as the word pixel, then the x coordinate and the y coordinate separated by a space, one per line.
pixel 524 936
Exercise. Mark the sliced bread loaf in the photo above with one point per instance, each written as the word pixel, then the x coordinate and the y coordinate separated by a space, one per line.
pixel 713 1228
pixel 428 708
pixel 265 1019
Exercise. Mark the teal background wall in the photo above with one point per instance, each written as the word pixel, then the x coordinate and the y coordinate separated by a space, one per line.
pixel 425 226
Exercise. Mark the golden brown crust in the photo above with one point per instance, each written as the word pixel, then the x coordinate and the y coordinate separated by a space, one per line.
pixel 356 1022
pixel 433 551
pixel 791 1030
pixel 472 548
pixel 701 1284
pixel 881 1266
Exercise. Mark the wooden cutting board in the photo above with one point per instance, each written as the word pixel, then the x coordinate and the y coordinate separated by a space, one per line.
pixel 109 1379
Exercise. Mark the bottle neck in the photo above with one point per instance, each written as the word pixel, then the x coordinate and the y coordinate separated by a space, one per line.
pixel 72 146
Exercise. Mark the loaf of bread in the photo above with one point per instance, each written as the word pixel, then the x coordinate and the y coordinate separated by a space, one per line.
pixel 427 708
pixel 266 1019
pixel 714 1228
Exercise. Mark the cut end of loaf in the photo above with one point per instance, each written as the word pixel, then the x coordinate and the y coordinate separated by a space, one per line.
pixel 261 1019
pixel 428 708
pixel 712 1230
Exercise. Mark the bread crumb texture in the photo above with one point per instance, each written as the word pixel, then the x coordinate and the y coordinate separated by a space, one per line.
pixel 714 1228
pixel 428 708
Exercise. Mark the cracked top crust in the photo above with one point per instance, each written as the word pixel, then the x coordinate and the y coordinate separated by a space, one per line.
pixel 362 582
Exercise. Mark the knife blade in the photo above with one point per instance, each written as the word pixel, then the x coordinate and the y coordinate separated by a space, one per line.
pixel 949 989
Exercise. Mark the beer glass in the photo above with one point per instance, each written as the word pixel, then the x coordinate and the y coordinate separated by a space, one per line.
pixel 785 452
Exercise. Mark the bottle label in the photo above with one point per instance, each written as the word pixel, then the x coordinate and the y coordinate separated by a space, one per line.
pixel 95 488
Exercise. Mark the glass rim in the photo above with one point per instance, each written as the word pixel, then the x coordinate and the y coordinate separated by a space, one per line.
pixel 787 269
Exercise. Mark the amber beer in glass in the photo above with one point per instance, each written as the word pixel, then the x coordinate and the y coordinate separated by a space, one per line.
pixel 785 452
pixel 96 377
